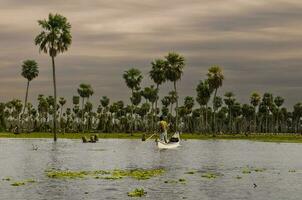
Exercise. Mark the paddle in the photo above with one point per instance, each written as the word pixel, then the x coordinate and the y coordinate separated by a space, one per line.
pixel 143 138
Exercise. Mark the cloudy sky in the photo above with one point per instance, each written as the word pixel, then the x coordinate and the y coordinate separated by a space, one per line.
pixel 257 43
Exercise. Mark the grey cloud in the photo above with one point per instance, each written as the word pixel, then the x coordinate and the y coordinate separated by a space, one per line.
pixel 257 43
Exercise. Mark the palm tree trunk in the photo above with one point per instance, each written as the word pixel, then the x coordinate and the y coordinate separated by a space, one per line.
pixel 206 116
pixel 55 99
pixel 82 114
pixel 176 111
pixel 132 120
pixel 201 119
pixel 214 112
pixel 25 102
pixel 157 87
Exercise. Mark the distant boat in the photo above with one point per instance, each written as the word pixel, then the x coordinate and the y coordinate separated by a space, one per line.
pixel 173 143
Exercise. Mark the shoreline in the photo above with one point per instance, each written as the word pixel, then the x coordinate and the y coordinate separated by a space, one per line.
pixel 282 138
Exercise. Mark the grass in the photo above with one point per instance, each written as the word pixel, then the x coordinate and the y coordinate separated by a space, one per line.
pixel 288 138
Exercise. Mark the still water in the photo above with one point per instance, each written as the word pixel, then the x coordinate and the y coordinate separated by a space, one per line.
pixel 281 179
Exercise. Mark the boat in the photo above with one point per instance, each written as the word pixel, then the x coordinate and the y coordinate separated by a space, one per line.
pixel 173 143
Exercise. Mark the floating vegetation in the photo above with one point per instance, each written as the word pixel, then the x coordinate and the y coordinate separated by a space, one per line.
pixel 246 171
pixel 209 175
pixel 138 192
pixel 259 169
pixel 6 179
pixel 190 172
pixel 238 177
pixel 139 174
pixel 181 180
pixel 18 183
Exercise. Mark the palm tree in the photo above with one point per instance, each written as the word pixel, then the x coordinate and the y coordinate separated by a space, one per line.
pixel 55 38
pixel 157 74
pixel 133 78
pixel 215 78
pixel 151 95
pixel 229 101
pixel 62 102
pixel 85 91
pixel 29 71
pixel 255 100
pixel 174 71
pixel 267 101
pixel 278 101
pixel 204 92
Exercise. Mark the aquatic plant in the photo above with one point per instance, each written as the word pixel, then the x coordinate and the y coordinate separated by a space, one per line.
pixel 190 172
pixel 209 175
pixel 139 174
pixel 137 192
pixel 6 179
pixel 259 169
pixel 246 171
pixel 18 183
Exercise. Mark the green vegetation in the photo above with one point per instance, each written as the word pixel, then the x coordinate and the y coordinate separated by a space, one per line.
pixel 18 183
pixel 138 174
pixel 209 175
pixel 23 182
pixel 246 171
pixel 190 172
pixel 138 192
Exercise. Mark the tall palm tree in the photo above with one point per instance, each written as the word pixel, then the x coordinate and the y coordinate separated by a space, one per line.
pixel 278 101
pixel 215 77
pixel 85 91
pixel 29 71
pixel 229 100
pixel 157 74
pixel 267 101
pixel 133 78
pixel 151 95
pixel 55 38
pixel 204 92
pixel 62 102
pixel 174 71
pixel 255 100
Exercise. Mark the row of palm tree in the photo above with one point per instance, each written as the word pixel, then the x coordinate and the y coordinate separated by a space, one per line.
pixel 264 114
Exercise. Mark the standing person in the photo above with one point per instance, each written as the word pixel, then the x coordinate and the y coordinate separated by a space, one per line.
pixel 163 126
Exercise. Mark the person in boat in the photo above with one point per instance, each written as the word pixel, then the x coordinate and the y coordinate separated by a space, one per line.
pixel 163 127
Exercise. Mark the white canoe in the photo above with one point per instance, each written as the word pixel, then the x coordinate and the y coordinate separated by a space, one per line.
pixel 170 145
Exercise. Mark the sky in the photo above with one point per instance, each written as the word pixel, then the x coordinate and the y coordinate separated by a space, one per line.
pixel 257 43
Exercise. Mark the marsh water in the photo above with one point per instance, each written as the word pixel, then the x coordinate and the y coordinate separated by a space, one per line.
pixel 281 177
